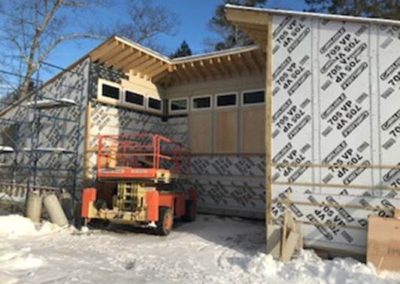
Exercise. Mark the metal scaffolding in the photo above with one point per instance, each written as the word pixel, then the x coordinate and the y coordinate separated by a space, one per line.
pixel 36 150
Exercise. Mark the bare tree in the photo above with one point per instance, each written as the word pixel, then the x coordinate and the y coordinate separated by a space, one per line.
pixel 31 30
pixel 146 21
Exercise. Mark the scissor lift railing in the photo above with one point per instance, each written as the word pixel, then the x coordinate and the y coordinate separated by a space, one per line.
pixel 140 156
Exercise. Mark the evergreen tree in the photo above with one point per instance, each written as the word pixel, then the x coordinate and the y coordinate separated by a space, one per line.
pixel 230 36
pixel 389 9
pixel 182 51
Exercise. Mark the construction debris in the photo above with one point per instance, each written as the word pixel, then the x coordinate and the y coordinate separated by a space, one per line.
pixel 292 238
pixel 284 241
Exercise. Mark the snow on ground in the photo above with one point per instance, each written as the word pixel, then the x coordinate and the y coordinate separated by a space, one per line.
pixel 210 250
pixel 16 226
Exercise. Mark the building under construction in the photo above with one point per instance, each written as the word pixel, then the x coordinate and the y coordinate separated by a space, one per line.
pixel 307 120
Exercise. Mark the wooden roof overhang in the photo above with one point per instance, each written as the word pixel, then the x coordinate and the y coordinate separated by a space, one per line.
pixel 216 65
pixel 244 14
pixel 127 56
pixel 254 22
pixel 130 57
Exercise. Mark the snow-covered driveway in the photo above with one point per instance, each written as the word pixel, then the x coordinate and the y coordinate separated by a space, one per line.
pixel 210 250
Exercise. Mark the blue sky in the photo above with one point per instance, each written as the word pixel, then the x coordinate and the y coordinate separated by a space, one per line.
pixel 193 17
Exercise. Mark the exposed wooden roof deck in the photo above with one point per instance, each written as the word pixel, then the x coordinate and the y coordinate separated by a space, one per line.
pixel 130 57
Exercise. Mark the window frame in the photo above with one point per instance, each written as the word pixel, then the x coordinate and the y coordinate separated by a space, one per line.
pixel 171 111
pixel 150 109
pixel 101 98
pixel 133 105
pixel 192 108
pixel 224 94
pixel 242 104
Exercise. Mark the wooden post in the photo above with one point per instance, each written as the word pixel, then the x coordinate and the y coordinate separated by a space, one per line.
pixel 273 232
pixel 86 152
pixel 268 125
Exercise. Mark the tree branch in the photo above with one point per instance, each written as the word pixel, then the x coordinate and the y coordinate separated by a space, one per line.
pixel 65 38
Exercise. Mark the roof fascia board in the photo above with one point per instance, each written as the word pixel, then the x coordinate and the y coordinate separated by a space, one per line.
pixel 144 49
pixel 230 7
pixel 214 54
pixel 254 17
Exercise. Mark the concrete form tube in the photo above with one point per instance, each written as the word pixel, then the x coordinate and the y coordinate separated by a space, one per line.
pixel 56 213
pixel 34 206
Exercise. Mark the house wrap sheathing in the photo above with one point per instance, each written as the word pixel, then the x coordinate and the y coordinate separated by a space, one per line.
pixel 333 119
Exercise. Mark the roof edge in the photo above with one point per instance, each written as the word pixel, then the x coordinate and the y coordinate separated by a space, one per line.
pixel 314 15
pixel 142 48
pixel 213 54
pixel 179 60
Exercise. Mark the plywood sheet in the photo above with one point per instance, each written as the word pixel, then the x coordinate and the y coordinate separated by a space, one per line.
pixel 253 130
pixel 200 132
pixel 384 243
pixel 226 131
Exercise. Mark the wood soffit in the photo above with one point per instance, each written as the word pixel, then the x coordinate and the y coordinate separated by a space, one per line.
pixel 252 22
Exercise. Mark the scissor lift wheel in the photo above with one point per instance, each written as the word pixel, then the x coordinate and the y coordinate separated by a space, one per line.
pixel 165 222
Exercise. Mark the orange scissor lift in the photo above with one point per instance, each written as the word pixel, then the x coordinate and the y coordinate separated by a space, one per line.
pixel 137 174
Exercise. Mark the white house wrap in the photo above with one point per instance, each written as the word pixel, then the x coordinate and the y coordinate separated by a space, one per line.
pixel 335 118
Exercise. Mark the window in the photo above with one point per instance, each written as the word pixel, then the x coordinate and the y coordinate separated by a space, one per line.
pixel 178 105
pixel 154 104
pixel 134 98
pixel 201 102
pixel 226 100
pixel 110 91
pixel 253 97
